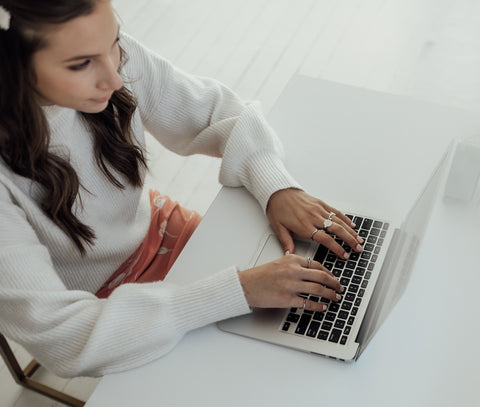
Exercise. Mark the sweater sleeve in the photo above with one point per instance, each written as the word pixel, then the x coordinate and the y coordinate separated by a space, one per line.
pixel 190 115
pixel 73 333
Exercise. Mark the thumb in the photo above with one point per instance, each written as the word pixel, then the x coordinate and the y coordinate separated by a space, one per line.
pixel 285 239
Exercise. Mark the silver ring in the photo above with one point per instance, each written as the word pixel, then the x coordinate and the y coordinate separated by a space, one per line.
pixel 309 261
pixel 313 234
pixel 326 224
pixel 304 303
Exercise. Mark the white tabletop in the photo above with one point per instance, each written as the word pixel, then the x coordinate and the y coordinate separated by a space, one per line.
pixel 425 353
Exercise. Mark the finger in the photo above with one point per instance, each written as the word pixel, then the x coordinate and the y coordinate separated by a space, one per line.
pixel 342 228
pixel 319 290
pixel 285 239
pixel 316 265
pixel 353 241
pixel 329 242
pixel 311 305
pixel 322 278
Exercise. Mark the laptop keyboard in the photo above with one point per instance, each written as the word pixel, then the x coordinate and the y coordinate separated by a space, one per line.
pixel 334 324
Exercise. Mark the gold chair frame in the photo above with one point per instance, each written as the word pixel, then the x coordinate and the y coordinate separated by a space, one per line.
pixel 24 379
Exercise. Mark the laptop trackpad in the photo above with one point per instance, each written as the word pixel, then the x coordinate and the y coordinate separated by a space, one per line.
pixel 271 249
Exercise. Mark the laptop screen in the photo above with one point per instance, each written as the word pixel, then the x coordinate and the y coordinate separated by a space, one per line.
pixel 398 265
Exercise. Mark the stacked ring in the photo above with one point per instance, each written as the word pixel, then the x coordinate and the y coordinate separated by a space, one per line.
pixel 328 222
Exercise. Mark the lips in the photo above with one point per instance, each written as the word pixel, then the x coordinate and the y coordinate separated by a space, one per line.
pixel 102 100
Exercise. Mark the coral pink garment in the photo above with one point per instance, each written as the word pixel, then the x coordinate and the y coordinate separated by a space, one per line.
pixel 170 228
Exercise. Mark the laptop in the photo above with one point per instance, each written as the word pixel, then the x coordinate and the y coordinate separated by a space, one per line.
pixel 374 280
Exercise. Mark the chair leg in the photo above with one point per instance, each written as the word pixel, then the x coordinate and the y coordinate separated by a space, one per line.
pixel 23 377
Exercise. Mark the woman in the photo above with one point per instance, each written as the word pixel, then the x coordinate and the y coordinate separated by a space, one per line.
pixel 78 230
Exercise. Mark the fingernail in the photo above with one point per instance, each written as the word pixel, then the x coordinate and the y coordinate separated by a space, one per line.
pixel 353 225
pixel 339 297
pixel 358 248
pixel 324 308
pixel 346 255
pixel 342 289
pixel 360 240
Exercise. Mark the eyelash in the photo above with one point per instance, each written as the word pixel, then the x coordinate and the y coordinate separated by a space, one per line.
pixel 81 66
pixel 84 64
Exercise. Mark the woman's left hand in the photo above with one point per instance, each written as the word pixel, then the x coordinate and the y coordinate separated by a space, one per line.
pixel 294 211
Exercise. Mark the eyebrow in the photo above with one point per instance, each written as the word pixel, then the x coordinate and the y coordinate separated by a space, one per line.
pixel 80 57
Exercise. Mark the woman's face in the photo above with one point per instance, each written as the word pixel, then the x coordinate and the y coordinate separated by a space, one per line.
pixel 78 68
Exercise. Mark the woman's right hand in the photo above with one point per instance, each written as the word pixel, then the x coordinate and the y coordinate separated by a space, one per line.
pixel 279 283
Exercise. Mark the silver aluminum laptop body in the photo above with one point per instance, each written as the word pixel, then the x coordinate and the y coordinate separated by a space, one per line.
pixel 389 278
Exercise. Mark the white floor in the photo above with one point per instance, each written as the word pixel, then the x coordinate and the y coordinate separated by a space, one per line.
pixel 427 49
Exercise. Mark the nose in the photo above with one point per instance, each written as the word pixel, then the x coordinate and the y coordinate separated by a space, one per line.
pixel 110 78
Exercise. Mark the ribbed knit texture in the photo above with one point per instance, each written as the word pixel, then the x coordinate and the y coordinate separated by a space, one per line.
pixel 46 288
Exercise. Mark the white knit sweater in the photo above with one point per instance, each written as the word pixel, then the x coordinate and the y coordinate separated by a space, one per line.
pixel 46 288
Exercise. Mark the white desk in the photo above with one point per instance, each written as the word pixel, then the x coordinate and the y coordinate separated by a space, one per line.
pixel 425 354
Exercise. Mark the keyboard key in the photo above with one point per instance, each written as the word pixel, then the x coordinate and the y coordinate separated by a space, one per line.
pixel 358 221
pixel 347 305
pixel 353 288
pixel 361 292
pixel 358 301
pixel 347 273
pixel 356 279
pixel 343 315
pixel 368 247
pixel 350 296
pixel 328 266
pixel 318 316
pixel 377 224
pixel 313 329
pixel 351 320
pixel 340 264
pixel 323 335
pixel 285 326
pixel 330 316
pixel 339 323
pixel 359 271
pixel 331 257
pixel 335 336
pixel 365 283
pixel 354 256
pixel 303 324
pixel 366 255
pixel 371 239
pixel 343 341
pixel 326 326
pixel 334 307
pixel 368 275
pixel 347 330
pixel 367 223
pixel 354 311
pixel 337 272
pixel 321 254
pixel 363 233
pixel 344 281
pixel 293 317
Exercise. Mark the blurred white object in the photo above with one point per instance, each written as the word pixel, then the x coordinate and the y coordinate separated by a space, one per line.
pixel 462 180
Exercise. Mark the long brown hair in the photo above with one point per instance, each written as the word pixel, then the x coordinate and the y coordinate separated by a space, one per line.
pixel 24 130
